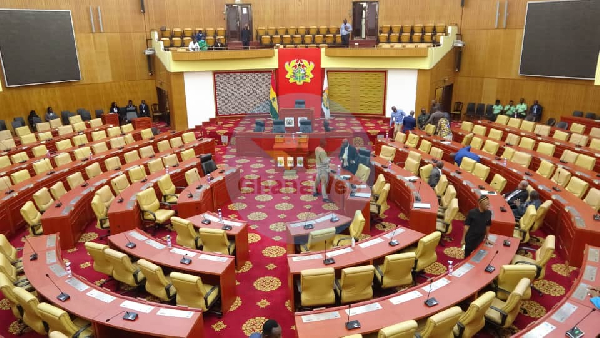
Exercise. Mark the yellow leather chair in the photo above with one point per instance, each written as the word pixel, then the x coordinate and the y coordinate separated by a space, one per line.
pixel 490 147
pixel 425 172
pixel 146 134
pixel 75 119
pixel 58 190
pixel 442 186
pixel 82 153
pixel 8 143
pixel 540 215
pixel 510 276
pixel 28 303
pixel 193 293
pixel 577 128
pixel 170 160
pixel 100 262
pixel 525 224
pixel 445 200
pixel 579 140
pixel 405 329
pixel 577 186
pixel 415 155
pixel 521 158
pixel 479 130
pixel 495 134
pixel 541 130
pixel 127 128
pixel 188 137
pixel 473 320
pixel 150 209
pixel 387 153
pixel 514 122
pixel 128 139
pixel 93 170
pixel 7 289
pixel 595 133
pixel 19 157
pixel 377 187
pixel 80 140
pixel 5 183
pixel 412 166
pixel 411 141
pixel 430 129
pixel 147 152
pixel 99 147
pixel 502 119
pixel 155 165
pixel 20 176
pixel 117 142
pixel 65 130
pixel 157 284
pixel 466 126
pixel 355 284
pixel 595 144
pixel 123 270
pixel 396 270
pixel 436 152
pixel 9 251
pixel 560 135
pixel 317 287
pixel 42 166
pixel 75 180
pixel 467 164
pixel 542 256
pixel 355 229
pixel 546 148
pixel 79 126
pixel 137 173
pixel 527 143
pixel 508 153
pixel 56 123
pixel 43 199
pixel 425 146
pixel 319 240
pixel 444 226
pixel 187 235
pixel 176 142
pixel 528 126
pixel 42 127
pixel 22 131
pixel 363 172
pixel 215 240
pixel 33 218
pixel 380 206
pixel 187 154
pixel 561 177
pixel 132 156
pixel 168 190
pixel 476 143
pixel 442 323
pixel 192 176
pixel 119 184
pixel 512 139
pixel 593 198
pixel 586 162
pixel 163 146
pixel 503 313
pixel 425 250
pixel 101 212
pixel 113 132
pixel 400 137
pixel 39 151
pixel 112 163
pixel 59 320
pixel 95 123
pixel 4 162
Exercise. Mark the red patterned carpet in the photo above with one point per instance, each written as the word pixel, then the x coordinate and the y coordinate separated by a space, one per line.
pixel 267 202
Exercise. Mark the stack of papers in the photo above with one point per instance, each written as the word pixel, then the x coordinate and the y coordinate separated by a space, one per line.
pixel 440 283
pixel 462 270
pixel 137 306
pixel 320 316
pixel 182 252
pixel 371 242
pixel 306 257
pixel 213 258
pixel 363 309
pixel 564 312
pixel 541 330
pixel 155 244
pixel 405 297
pixel 339 252
pixel 175 313
pixel 137 235
pixel 101 296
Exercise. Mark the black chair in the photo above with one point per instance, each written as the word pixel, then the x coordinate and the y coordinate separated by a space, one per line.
pixel 80 111
pixel 21 121
pixel 562 125
pixel 306 126
pixel 299 104
pixel 489 113
pixel 480 110
pixel 551 122
pixel 35 121
pixel 16 124
pixel 530 118
pixel 155 131
pixel 86 115
pixel 99 113
pixel 64 116
pixel 259 126
pixel 577 113
pixel 470 112
pixel 278 126
pixel 130 116
pixel 590 115
pixel 2 125
pixel 208 164
pixel 326 126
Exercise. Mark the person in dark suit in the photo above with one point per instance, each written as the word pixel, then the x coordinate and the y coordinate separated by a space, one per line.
pixel 534 199
pixel 144 109
pixel 536 111
pixel 518 194
pixel 409 122
pixel 348 156
pixel 130 106
pixel 114 109
pixel 477 226
pixel 32 114
pixel 50 114
pixel 436 173
pixel 246 34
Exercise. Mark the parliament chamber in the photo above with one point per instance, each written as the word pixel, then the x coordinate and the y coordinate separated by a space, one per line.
pixel 303 168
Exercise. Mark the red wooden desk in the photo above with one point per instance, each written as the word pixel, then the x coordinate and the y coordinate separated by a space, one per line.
pixel 104 315
pixel 291 147
pixel 588 123
pixel 369 251
pixel 261 144
pixel 340 189
pixel 297 235
pixel 215 269
pixel 389 314
pixel 110 119
pixel 142 123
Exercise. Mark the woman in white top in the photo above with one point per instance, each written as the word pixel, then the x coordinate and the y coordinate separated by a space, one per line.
pixel 193 45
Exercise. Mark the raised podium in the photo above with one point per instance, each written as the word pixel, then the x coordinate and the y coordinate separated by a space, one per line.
pixel 293 116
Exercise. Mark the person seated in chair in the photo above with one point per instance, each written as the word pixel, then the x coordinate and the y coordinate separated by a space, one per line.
pixel 497 108
pixel 30 117
pixel 510 109
pixel 114 109
pixel 348 156
pixel 144 109
pixel 534 199
pixel 521 109
pixel 519 194
pixel 131 106
pixel 436 173
pixel 50 114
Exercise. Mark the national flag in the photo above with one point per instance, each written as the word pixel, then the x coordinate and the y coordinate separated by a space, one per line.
pixel 274 106
pixel 325 100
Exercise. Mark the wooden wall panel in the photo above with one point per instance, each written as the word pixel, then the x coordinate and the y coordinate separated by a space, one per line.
pixel 177 103
pixel 366 95
pixel 441 75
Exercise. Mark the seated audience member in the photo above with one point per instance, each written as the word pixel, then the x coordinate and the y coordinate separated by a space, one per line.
pixel 510 109
pixel 193 46
pixel 519 194
pixel 436 173
pixel 131 106
pixel 443 128
pixel 534 199
pixel 144 109
pixel 409 122
pixel 270 329
pixel 348 156
pixel 30 117
pixel 521 109
pixel 465 152
pixel 422 119
pixel 536 111
pixel 114 109
pixel 200 36
pixel 218 45
pixel 50 114
pixel 497 108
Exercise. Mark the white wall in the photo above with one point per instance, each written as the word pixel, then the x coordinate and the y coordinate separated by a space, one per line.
pixel 401 90
pixel 199 97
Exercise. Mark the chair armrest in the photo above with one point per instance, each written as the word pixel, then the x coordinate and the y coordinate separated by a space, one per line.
pixel 337 286
pixel 102 222
pixel 164 198
pixel 136 275
pixel 341 239
pixel 168 290
pixel 538 269
pixel 298 286
pixel 150 213
pixel 197 242
pixel 461 329
pixel 229 247
pixel 180 188
pixel 503 314
pixel 76 335
pixel 379 270
pixel 208 295
pixel 305 247
pixel 526 248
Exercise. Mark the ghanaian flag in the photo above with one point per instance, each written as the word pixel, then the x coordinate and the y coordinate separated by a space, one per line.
pixel 274 106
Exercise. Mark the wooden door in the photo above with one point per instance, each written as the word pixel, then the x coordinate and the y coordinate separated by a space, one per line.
pixel 365 19
pixel 357 19
pixel 372 25
pixel 232 15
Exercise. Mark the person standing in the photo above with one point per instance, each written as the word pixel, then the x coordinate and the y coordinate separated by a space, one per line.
pixel 436 174
pixel 536 111
pixel 345 31
pixel 409 122
pixel 144 109
pixel 422 119
pixel 322 176
pixel 246 34
pixel 510 109
pixel 521 109
pixel 396 119
pixel 348 156
pixel 477 226
pixel 435 117
pixel 443 128
pixel 434 107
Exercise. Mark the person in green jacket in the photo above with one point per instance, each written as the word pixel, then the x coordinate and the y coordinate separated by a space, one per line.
pixel 497 108
pixel 510 109
pixel 522 109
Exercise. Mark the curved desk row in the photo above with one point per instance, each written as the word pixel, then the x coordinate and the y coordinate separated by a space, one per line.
pixel 215 269
pixel 340 188
pixel 575 309
pixel 103 308
pixel 448 289
pixel 569 218
pixel 588 123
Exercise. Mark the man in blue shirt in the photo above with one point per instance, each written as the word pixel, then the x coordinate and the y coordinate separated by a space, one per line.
pixel 465 152
pixel 271 329
pixel 409 122
pixel 397 116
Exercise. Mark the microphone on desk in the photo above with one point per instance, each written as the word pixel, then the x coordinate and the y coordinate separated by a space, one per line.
pixel 327 260
pixel 393 241
pixel 129 315
pixel 490 268
pixel 120 199
pixel 84 184
pixel 351 325
pixel 109 319
pixel 63 297
pixel 306 225
pixel 129 244
pixel 430 301
pixel 204 220
pixel 34 255
pixel 185 260
pixel 418 196
pixel 576 332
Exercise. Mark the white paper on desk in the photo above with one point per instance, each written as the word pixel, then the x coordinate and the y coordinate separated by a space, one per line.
pixel 363 309
pixel 422 205
pixel 320 316
pixel 339 252
pixel 541 330
pixel 485 192
pixel 405 297
pixel 155 244
pixel 137 306
pixel 412 178
pixel 564 312
pixel 183 252
pixel 213 258
pixel 445 142
pixel 361 186
pixel 394 233
pixel 371 242
pixel 77 284
pixel 440 283
pixel 101 296
pixel 225 221
pixel 174 313
pixel 362 194
pixel 137 235
pixel 306 257
pixel 462 270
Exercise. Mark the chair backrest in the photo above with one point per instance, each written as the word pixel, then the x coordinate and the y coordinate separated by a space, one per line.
pixel 405 329
pixel 510 276
pixel 356 283
pixel 123 270
pixel 412 140
pixel 546 148
pixel 466 126
pixel 400 137
pixel 105 194
pixel 527 143
pixel 64 130
pixel 5 161
pixel 514 122
pixel 442 323
pixel 512 139
pixel 436 152
pixel 188 137
pixel 397 269
pixel 156 283
pixel 79 126
pixel 363 172
pixel 546 168
pixel 55 123
pixel 490 147
pixel 430 129
pixel 57 319
pixel 20 176
pixel 476 143
pixel 112 163
pixel 593 198
pixel 82 153
pixel 561 177
pixel 146 152
pixel 540 215
pixel 28 139
pixel 214 240
pixel 560 135
pixel 42 166
pixel 425 172
pixel 99 147
pixel 136 173
pixel 569 156
pixel 357 225
pixel 43 199
pixel 58 190
pixel 473 319
pixel 187 154
pixel 163 146
pixel 98 135
pixel 186 234
pixel 425 146
pixel 155 165
pixel 19 157
pixel 577 186
pixel 378 185
pixel 132 156
pixel 448 196
pixel 579 140
pixel 113 131
pixel 502 119
pixel 74 180
pixel 595 132
pixel 166 186
pixel 482 171
pixel 498 183
pixel 495 134
pixel 75 119
pixel 595 143
pixel 577 128
pixel 585 161
pixel 542 130
pixel 29 305
pixel 80 140
pixel 192 176
pixel 190 290
pixel 412 166
pixel 93 170
pixel 95 123
pixel 467 164
pixel 119 183
pixel 100 262
pixel 317 287
pixel 22 131
pixel 170 160
pixel 479 130
pixel 176 142
pixel 388 153
pixel 127 128
pixel 146 134
pixel 527 126
pixel 40 150
pixel 425 253
pixel 521 158
pixel 117 142
pixel 7 144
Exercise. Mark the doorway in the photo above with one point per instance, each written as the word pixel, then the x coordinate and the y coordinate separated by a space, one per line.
pixel 161 111
pixel 365 16
pixel 446 97
pixel 238 16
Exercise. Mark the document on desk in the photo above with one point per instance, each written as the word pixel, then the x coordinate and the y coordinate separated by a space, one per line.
pixel 137 235
pixel 50 257
pixel 224 221
pixel 370 243
pixel 137 306
pixel 101 296
pixel 486 192
pixel 306 257
pixel 590 273
pixel 362 195
pixel 213 258
pixel 564 312
pixel 422 206
pixel 462 270
pixel 58 270
pixel 412 178
pixel 363 309
pixel 155 244
pixel 51 241
pixel 297 224
pixel 405 297
pixel 581 291
pixel 394 233
pixel 594 255
pixel 175 313
pixel 541 330
pixel 320 316
pixel 445 142
pixel 339 252
pixel 438 284
pixel 182 252
pixel 77 284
